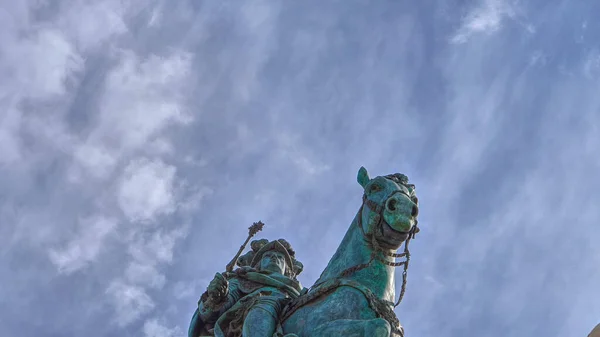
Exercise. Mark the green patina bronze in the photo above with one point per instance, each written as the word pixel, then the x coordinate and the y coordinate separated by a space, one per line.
pixel 354 296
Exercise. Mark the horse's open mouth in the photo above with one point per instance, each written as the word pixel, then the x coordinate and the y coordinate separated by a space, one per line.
pixel 390 238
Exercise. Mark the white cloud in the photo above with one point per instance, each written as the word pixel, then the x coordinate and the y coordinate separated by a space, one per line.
pixel 92 24
pixel 257 22
pixel 187 290
pixel 591 64
pixel 97 160
pixel 145 275
pixel 487 17
pixel 50 130
pixel 126 136
pixel 156 247
pixel 546 195
pixel 291 149
pixel 39 65
pixel 142 98
pixel 10 143
pixel 195 197
pixel 148 251
pixel 131 302
pixel 36 63
pixel 85 246
pixel 152 328
pixel 468 136
pixel 538 59
pixel 146 190
pixel 160 146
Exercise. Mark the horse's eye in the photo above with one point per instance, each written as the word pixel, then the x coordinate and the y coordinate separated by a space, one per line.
pixel 375 188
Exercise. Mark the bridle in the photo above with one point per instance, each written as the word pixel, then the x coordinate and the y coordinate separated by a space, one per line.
pixel 381 307
pixel 376 248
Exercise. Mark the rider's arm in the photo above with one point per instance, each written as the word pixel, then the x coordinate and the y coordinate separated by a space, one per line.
pixel 210 315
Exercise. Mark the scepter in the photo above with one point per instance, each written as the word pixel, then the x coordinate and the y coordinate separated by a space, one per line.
pixel 252 230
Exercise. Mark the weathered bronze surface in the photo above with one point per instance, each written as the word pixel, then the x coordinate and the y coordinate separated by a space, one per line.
pixel 354 296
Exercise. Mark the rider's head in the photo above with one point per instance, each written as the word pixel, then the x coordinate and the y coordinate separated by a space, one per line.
pixel 273 257
pixel 273 261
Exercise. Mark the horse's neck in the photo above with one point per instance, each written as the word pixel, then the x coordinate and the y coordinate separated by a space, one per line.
pixel 353 251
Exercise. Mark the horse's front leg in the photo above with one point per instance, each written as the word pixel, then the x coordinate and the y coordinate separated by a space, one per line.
pixel 376 327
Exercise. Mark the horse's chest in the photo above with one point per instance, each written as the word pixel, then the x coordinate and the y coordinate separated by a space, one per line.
pixel 342 303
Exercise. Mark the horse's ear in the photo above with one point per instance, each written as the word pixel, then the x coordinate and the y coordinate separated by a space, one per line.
pixel 363 177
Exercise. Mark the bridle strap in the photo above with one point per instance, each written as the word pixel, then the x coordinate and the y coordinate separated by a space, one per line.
pixel 370 238
pixel 373 205
pixel 378 210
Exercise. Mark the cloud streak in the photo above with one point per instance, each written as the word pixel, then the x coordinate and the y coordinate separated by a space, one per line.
pixel 486 17
pixel 139 141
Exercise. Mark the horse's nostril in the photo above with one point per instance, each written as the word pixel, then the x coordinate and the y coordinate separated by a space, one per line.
pixel 391 204
pixel 415 211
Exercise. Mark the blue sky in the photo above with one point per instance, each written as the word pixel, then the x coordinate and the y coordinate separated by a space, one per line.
pixel 139 139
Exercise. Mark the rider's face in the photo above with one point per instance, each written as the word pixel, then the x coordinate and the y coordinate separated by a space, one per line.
pixel 273 261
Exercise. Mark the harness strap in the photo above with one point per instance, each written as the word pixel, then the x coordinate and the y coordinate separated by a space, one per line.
pixel 382 308
pixel 378 209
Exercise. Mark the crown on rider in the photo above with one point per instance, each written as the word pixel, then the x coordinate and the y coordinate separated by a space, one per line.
pixel 259 247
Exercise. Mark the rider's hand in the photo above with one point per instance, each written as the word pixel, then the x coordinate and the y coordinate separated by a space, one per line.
pixel 218 288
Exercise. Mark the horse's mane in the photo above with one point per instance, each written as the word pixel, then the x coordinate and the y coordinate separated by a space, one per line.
pixel 402 179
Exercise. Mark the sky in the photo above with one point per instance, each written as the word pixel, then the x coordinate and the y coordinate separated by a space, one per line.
pixel 139 139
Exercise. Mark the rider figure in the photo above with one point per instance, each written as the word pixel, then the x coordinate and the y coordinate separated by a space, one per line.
pixel 248 301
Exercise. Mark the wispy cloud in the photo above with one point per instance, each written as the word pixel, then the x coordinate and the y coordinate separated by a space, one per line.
pixel 152 328
pixel 110 130
pixel 131 302
pixel 141 100
pixel 591 65
pixel 85 246
pixel 146 190
pixel 486 17
pixel 122 120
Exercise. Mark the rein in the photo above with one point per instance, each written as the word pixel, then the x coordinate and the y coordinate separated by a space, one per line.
pixel 378 209
pixel 381 307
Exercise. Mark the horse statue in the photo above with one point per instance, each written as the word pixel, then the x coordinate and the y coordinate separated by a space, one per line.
pixel 354 294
